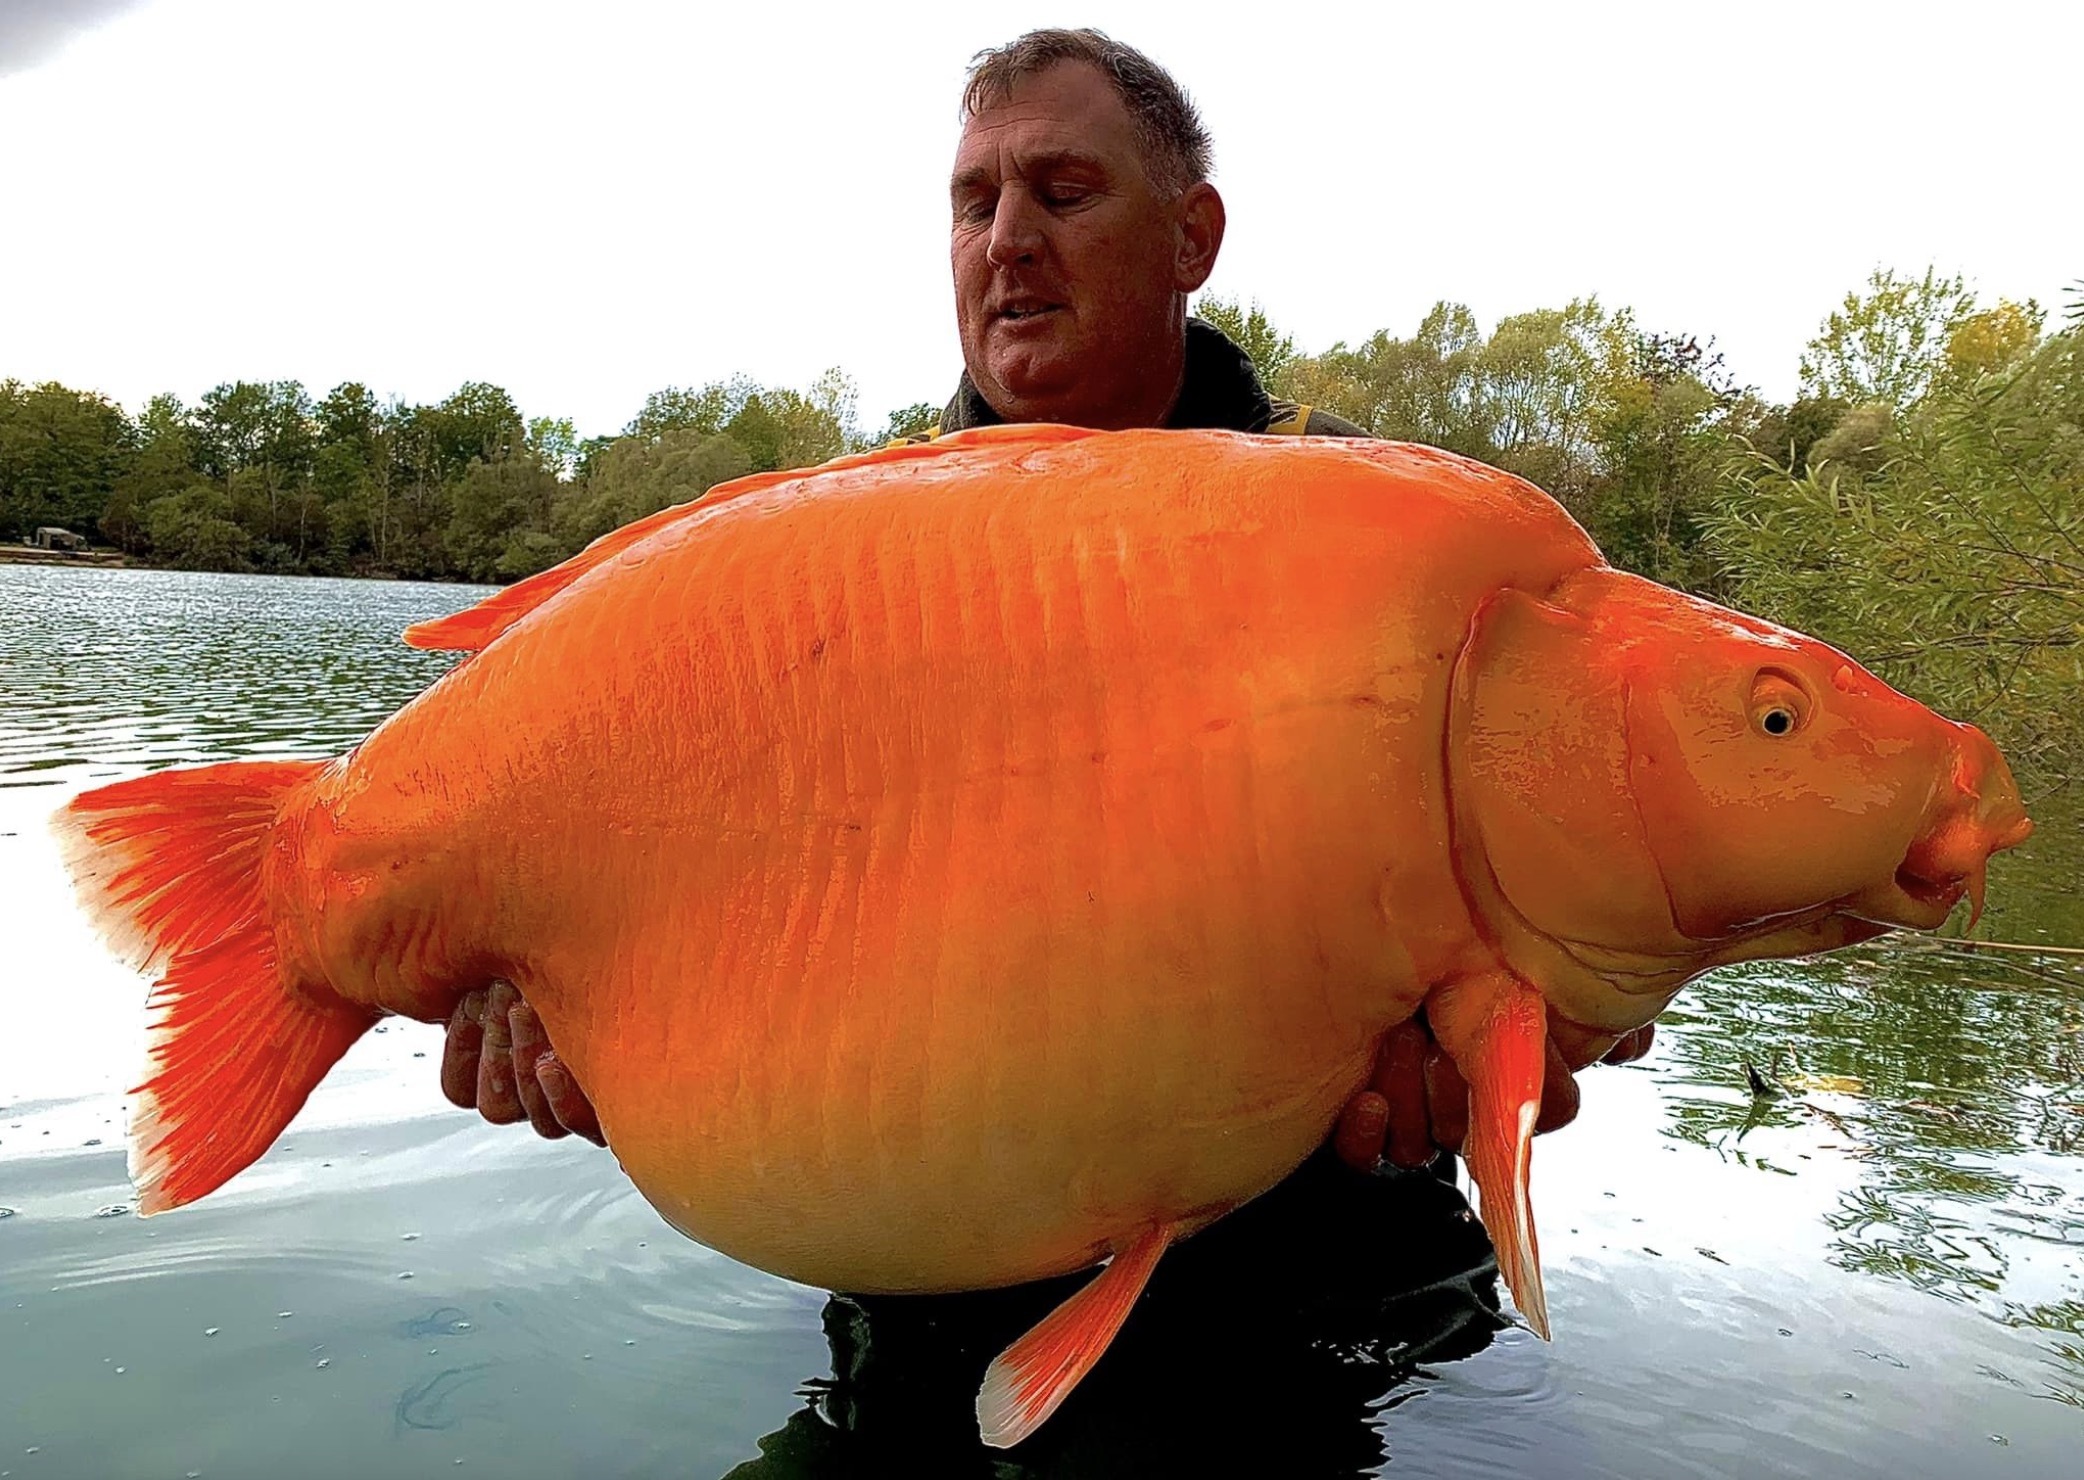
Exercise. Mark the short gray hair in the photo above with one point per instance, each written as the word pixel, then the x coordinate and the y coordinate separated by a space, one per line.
pixel 1176 147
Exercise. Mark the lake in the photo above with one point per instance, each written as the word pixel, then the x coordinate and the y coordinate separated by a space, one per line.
pixel 1878 1272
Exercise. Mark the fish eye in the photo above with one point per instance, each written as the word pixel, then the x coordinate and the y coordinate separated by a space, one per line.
pixel 1779 704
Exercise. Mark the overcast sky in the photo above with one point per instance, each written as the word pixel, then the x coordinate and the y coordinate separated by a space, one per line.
pixel 586 202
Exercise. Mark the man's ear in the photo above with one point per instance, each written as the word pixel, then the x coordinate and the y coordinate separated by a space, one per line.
pixel 1201 220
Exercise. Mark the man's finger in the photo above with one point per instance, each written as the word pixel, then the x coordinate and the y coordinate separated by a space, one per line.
pixel 573 1110
pixel 1447 1101
pixel 1559 1093
pixel 1400 1080
pixel 461 1050
pixel 498 1101
pixel 531 1043
pixel 1358 1135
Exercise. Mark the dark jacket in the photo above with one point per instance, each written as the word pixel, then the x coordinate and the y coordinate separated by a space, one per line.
pixel 1221 390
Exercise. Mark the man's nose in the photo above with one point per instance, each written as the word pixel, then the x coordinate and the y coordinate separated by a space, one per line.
pixel 1016 229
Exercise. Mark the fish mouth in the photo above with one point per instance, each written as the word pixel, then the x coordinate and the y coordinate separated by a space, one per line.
pixel 1936 897
pixel 1943 867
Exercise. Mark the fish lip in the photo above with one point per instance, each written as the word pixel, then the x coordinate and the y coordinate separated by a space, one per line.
pixel 1943 891
pixel 1913 900
pixel 1893 909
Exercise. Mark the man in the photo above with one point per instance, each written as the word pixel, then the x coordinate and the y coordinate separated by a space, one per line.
pixel 1082 222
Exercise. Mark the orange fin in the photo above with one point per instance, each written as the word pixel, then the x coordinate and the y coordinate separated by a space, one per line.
pixel 1025 1382
pixel 168 867
pixel 1496 1030
pixel 473 628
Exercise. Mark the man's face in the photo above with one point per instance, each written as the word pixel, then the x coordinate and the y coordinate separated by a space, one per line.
pixel 1071 267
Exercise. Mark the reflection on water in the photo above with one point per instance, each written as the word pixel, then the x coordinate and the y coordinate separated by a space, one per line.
pixel 1955 1079
pixel 1277 1337
pixel 1872 1264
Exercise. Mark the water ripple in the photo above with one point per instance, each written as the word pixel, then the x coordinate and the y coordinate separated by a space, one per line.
pixel 144 669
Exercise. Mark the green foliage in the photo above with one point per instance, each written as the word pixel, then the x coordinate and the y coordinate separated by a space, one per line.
pixel 1942 542
pixel 635 476
pixel 260 476
pixel 1889 344
pixel 1920 504
pixel 776 428
pixel 554 442
pixel 1659 427
pixel 194 530
pixel 907 421
pixel 1624 426
pixel 493 508
pixel 60 453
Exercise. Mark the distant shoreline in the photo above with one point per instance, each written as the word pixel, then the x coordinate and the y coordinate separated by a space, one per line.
pixel 83 559
pixel 117 561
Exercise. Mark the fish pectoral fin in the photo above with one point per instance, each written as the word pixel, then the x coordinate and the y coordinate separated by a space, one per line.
pixel 1028 1380
pixel 1496 1031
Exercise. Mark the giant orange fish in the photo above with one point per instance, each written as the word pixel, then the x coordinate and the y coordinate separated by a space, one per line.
pixel 974 862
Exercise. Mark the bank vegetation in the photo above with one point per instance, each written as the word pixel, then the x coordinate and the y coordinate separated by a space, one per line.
pixel 1920 502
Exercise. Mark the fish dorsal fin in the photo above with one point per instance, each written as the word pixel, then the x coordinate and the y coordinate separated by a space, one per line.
pixel 1026 1381
pixel 471 629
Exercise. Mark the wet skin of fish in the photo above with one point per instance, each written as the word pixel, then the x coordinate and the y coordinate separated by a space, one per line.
pixel 974 862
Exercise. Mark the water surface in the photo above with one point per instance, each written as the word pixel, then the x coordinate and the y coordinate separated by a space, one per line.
pixel 1877 1272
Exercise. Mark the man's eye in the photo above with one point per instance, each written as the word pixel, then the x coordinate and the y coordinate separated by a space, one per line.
pixel 974 208
pixel 1068 197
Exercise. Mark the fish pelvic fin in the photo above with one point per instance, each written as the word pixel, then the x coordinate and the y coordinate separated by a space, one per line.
pixel 1496 1030
pixel 168 867
pixel 1029 1379
pixel 473 629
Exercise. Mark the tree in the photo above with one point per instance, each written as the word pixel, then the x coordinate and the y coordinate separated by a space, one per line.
pixel 686 409
pixel 352 468
pixel 1990 342
pixel 1889 344
pixel 478 422
pixel 1423 389
pixel 61 452
pixel 258 437
pixel 904 423
pixel 494 509
pixel 1539 378
pixel 636 476
pixel 554 442
pixel 194 529
pixel 1659 433
pixel 1785 434
pixel 1951 557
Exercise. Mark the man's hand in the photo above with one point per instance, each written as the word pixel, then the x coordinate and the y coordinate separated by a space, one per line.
pixel 499 1062
pixel 1417 1104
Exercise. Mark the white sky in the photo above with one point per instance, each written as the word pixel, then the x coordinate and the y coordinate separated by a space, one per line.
pixel 585 202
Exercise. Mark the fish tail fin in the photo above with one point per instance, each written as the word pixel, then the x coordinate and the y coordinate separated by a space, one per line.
pixel 1027 1381
pixel 169 868
pixel 1497 1034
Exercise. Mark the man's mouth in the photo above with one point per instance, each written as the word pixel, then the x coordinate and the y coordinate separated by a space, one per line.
pixel 1017 309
